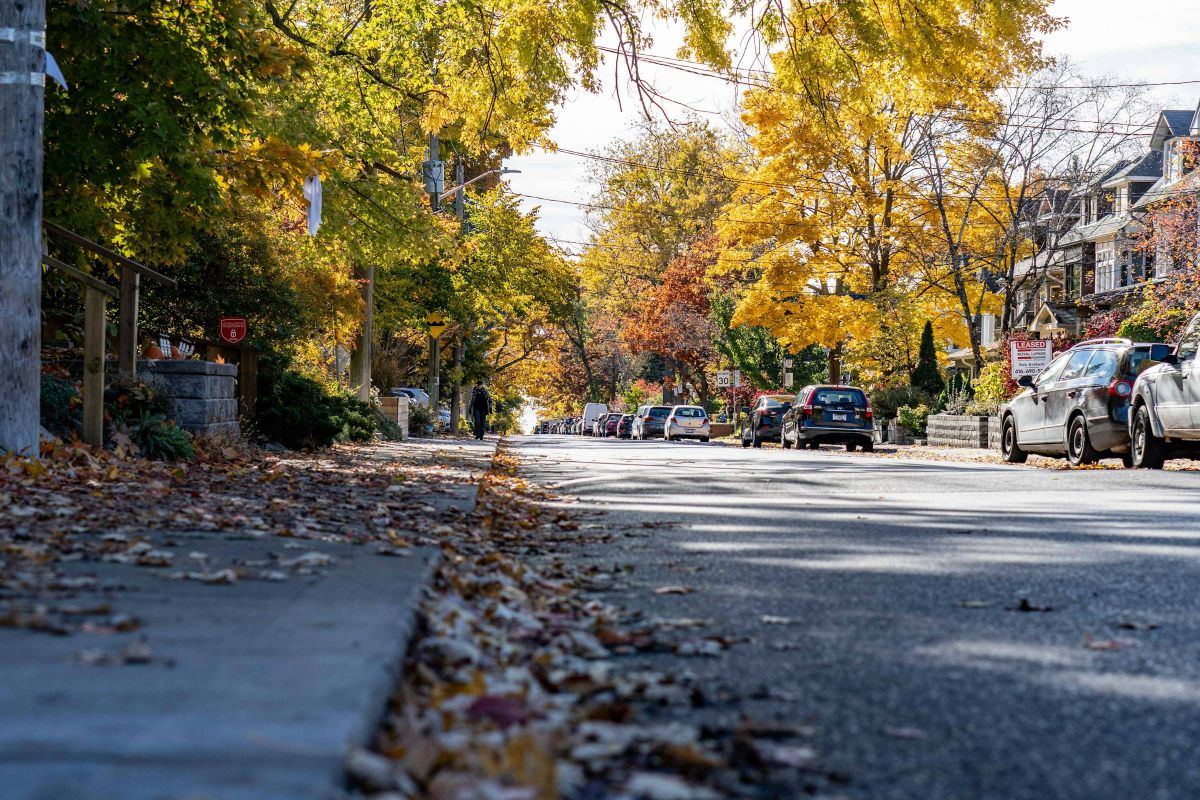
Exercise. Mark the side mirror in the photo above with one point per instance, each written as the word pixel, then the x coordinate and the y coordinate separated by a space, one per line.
pixel 1163 353
pixel 1025 381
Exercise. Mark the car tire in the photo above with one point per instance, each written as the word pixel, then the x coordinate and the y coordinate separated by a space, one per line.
pixel 704 439
pixel 868 447
pixel 745 442
pixel 1079 444
pixel 1010 449
pixel 783 442
pixel 1127 460
pixel 1149 451
pixel 851 447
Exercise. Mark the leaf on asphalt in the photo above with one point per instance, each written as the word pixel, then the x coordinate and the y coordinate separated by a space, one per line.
pixel 138 652
pixel 674 590
pixel 767 619
pixel 1131 625
pixel 1028 607
pixel 903 732
pixel 1108 644
pixel 975 604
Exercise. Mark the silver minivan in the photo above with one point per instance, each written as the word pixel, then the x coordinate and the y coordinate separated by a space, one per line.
pixel 1077 407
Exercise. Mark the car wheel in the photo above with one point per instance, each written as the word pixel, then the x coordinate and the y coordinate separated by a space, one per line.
pixel 757 440
pixel 1009 447
pixel 851 447
pixel 1127 460
pixel 868 447
pixel 1149 451
pixel 704 438
pixel 783 442
pixel 814 445
pixel 1079 446
pixel 745 441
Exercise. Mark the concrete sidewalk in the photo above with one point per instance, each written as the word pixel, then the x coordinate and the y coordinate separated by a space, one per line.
pixel 252 690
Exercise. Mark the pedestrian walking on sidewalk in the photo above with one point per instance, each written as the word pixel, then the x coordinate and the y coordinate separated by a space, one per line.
pixel 481 406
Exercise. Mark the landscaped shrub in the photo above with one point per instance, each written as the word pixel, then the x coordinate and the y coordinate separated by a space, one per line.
pixel 913 418
pixel 884 402
pixel 957 395
pixel 419 419
pixel 160 438
pixel 927 375
pixel 298 412
pixel 126 401
pixel 61 406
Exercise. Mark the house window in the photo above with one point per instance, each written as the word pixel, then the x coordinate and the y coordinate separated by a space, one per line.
pixel 1122 199
pixel 1106 267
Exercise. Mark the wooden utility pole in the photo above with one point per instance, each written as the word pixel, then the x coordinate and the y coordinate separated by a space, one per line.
pixel 435 356
pixel 360 359
pixel 22 96
pixel 460 211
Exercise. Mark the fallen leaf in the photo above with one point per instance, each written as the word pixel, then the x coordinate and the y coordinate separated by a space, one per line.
pixel 674 590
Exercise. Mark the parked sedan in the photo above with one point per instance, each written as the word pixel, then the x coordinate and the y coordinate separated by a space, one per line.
pixel 611 421
pixel 625 426
pixel 829 415
pixel 1077 407
pixel 764 421
pixel 1165 417
pixel 649 421
pixel 686 422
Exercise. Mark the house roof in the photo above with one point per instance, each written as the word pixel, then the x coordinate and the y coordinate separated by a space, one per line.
pixel 1048 314
pixel 1164 189
pixel 1147 168
pixel 1171 124
pixel 1105 226
pixel 1098 179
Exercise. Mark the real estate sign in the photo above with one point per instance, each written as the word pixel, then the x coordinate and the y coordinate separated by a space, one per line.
pixel 1030 357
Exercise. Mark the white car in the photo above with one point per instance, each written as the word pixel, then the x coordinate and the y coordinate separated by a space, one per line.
pixel 686 422
pixel 418 396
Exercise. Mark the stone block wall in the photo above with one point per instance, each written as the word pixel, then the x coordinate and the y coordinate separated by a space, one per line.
pixel 396 408
pixel 205 394
pixel 954 430
pixel 994 433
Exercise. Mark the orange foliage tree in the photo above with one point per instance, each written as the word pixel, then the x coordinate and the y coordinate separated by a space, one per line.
pixel 675 323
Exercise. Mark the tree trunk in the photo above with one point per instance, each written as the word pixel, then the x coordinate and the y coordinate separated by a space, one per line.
pixel 21 121
pixel 360 359
pixel 835 365
pixel 456 390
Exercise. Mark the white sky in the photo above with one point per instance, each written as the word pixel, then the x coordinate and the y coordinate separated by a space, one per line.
pixel 1143 40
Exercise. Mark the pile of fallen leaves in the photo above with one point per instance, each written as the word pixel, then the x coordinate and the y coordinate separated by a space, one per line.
pixel 76 503
pixel 516 688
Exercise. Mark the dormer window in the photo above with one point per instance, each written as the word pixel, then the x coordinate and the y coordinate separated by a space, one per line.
pixel 1172 160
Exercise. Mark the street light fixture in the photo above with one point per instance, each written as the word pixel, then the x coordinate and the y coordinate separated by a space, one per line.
pixel 479 177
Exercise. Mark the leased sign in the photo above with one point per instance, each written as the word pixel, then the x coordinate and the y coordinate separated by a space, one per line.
pixel 1031 356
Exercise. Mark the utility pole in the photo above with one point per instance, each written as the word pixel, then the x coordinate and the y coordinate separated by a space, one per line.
pixel 360 359
pixel 22 108
pixel 434 183
pixel 460 211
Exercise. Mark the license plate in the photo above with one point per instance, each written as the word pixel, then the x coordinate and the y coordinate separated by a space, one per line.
pixel 836 417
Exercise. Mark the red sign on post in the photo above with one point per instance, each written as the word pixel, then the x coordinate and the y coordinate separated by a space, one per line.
pixel 233 329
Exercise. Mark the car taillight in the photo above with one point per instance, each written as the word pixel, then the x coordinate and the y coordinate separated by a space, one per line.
pixel 869 414
pixel 1120 389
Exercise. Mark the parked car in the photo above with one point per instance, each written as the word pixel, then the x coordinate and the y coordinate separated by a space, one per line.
pixel 1077 407
pixel 625 426
pixel 648 421
pixel 417 396
pixel 825 414
pixel 764 420
pixel 611 420
pixel 1164 418
pixel 686 422
pixel 591 413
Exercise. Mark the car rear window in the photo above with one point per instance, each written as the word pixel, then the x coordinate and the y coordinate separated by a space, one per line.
pixel 689 412
pixel 1103 365
pixel 660 411
pixel 1139 359
pixel 839 398
pixel 774 402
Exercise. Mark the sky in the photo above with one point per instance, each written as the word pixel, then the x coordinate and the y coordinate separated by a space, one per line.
pixel 1146 40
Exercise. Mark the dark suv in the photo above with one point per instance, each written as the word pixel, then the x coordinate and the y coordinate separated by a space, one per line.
pixel 829 415
pixel 1077 407
pixel 764 422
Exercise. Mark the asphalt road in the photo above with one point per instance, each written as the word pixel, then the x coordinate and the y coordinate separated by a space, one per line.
pixel 901 580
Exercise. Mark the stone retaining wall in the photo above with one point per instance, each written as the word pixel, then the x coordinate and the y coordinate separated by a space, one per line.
pixel 994 433
pixel 204 393
pixel 396 408
pixel 954 430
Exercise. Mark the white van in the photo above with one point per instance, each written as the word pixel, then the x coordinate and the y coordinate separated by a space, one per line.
pixel 591 413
